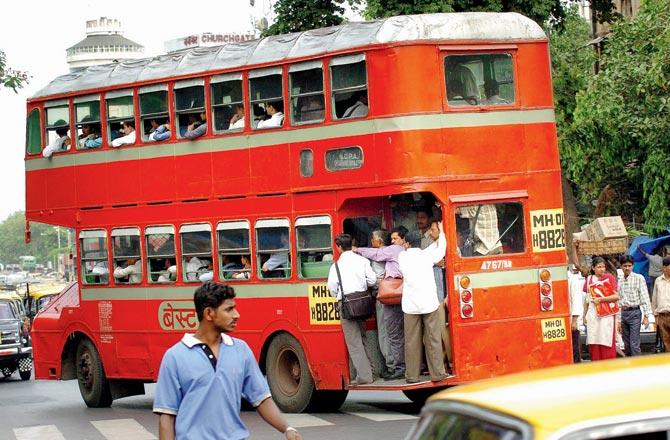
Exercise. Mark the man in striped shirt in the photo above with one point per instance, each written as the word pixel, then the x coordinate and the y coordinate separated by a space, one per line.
pixel 635 307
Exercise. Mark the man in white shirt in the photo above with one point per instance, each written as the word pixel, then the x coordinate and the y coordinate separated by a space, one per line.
pixel 133 271
pixel 129 135
pixel 237 121
pixel 357 275
pixel 360 107
pixel 60 143
pixel 195 268
pixel 276 111
pixel 575 289
pixel 420 305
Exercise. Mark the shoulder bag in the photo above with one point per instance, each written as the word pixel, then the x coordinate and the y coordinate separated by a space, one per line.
pixel 390 291
pixel 603 289
pixel 355 305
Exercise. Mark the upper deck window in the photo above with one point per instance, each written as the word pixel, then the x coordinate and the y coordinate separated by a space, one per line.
pixel 57 127
pixel 227 103
pixel 87 115
pixel 189 105
pixel 306 85
pixel 490 229
pixel 33 137
pixel 120 109
pixel 234 253
pixel 266 98
pixel 196 252
pixel 349 87
pixel 479 79
pixel 93 250
pixel 161 254
pixel 127 255
pixel 154 111
pixel 315 252
pixel 273 248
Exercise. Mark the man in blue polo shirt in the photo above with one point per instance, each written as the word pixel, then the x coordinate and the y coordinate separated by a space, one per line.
pixel 204 377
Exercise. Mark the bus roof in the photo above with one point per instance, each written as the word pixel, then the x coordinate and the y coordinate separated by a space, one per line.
pixel 468 26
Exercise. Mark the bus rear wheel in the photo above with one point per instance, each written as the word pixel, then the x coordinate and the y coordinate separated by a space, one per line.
pixel 93 384
pixel 419 396
pixel 288 375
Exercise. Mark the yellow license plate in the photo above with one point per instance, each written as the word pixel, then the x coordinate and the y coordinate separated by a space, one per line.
pixel 553 330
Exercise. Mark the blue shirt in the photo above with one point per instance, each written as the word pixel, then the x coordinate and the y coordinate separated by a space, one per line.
pixel 207 401
pixel 160 134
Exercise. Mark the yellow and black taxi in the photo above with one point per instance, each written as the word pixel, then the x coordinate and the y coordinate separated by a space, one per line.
pixel 620 399
pixel 16 351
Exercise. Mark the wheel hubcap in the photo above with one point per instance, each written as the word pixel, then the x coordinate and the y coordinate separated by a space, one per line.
pixel 289 372
pixel 86 370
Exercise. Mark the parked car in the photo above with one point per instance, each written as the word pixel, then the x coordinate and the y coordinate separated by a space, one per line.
pixel 622 398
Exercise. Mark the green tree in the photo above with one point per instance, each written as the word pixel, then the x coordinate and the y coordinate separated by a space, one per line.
pixel 44 240
pixel 303 15
pixel 619 136
pixel 10 78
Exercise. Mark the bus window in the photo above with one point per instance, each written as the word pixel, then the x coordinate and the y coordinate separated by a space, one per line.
pixel 480 79
pixel 265 98
pixel 306 86
pixel 153 109
pixel 161 255
pixel 306 163
pixel 94 268
pixel 189 104
pixel 127 256
pixel 490 229
pixel 33 137
pixel 349 87
pixel 314 241
pixel 360 229
pixel 119 110
pixel 58 127
pixel 87 115
pixel 273 250
pixel 196 252
pixel 233 246
pixel 227 102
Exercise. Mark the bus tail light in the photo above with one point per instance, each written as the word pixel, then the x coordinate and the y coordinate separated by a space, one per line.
pixel 465 297
pixel 546 290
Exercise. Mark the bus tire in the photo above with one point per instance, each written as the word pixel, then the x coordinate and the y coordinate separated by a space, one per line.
pixel 25 375
pixel 419 396
pixel 290 381
pixel 328 400
pixel 93 383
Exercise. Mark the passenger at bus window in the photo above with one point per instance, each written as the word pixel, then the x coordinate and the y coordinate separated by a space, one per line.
pixel 423 321
pixel 424 219
pixel 195 266
pixel 278 261
pixel 128 138
pixel 483 229
pixel 237 121
pixel 245 272
pixel 101 270
pixel 159 132
pixel 492 90
pixel 169 274
pixel 360 107
pixel 274 109
pixel 197 128
pixel 312 109
pixel 90 136
pixel 228 266
pixel 61 143
pixel 356 275
pixel 132 271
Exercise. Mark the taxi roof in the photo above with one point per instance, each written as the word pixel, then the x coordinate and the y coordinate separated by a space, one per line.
pixel 40 290
pixel 9 294
pixel 558 397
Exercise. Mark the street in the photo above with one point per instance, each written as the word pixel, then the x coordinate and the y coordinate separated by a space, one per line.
pixel 50 410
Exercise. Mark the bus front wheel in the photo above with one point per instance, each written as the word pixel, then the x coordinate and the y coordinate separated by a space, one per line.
pixel 93 384
pixel 419 396
pixel 288 375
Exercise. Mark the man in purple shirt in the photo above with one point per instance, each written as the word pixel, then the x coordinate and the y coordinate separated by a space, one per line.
pixel 393 319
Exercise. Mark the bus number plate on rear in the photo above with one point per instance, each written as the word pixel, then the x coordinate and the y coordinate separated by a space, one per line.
pixel 322 307
pixel 553 330
pixel 547 230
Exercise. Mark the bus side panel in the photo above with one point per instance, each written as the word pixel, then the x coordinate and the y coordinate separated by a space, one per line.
pixel 534 69
pixel 231 172
pixel 59 184
pixel 265 163
pixel 91 184
pixel 193 174
pixel 157 179
pixel 123 182
pixel 36 191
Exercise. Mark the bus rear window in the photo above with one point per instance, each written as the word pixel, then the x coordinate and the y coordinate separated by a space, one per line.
pixel 479 79
pixel 490 229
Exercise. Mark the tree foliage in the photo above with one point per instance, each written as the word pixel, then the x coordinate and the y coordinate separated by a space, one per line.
pixel 303 15
pixel 11 78
pixel 42 247
pixel 619 136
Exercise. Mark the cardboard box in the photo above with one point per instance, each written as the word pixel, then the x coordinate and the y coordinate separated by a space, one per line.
pixel 580 236
pixel 606 227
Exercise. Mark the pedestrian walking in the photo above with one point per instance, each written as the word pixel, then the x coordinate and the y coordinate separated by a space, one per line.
pixel 660 303
pixel 203 378
pixel 575 286
pixel 635 306
pixel 600 331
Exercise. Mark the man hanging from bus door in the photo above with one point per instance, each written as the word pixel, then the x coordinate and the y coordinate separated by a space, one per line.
pixel 204 377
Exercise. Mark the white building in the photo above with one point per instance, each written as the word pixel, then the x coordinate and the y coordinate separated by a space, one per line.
pixel 104 44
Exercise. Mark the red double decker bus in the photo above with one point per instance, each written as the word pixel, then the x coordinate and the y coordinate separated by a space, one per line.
pixel 267 150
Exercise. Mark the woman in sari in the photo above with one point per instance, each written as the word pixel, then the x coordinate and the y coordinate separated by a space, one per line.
pixel 600 331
